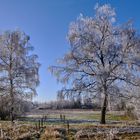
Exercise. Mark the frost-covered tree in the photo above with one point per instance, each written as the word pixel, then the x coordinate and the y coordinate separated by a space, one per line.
pixel 103 57
pixel 18 67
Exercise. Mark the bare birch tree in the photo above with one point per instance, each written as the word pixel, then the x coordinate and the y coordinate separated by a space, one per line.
pixel 103 57
pixel 19 67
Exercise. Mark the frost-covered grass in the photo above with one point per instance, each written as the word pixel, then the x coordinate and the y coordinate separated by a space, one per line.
pixel 80 115
pixel 110 117
pixel 91 132
pixel 86 131
pixel 17 131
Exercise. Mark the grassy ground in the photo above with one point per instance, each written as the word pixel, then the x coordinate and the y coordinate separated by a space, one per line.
pixel 90 132
pixel 81 115
pixel 22 131
pixel 75 131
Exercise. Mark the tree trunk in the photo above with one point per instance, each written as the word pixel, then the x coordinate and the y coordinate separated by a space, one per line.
pixel 104 107
pixel 11 89
pixel 103 111
pixel 12 102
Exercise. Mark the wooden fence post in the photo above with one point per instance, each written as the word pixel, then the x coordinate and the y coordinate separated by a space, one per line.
pixel 68 126
pixel 61 117
pixel 39 124
pixel 64 118
pixel 42 122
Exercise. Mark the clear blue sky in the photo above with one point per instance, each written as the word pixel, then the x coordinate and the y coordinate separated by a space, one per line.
pixel 47 22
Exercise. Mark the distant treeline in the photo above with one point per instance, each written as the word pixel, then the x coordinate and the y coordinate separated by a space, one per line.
pixel 77 104
pixel 67 104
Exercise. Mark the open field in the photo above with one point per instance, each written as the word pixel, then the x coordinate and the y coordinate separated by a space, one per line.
pixel 77 125
pixel 79 114
pixel 84 125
